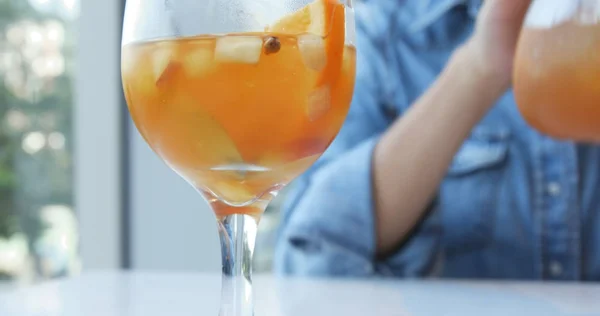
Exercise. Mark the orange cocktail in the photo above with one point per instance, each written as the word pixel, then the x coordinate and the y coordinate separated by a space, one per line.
pixel 240 115
pixel 557 69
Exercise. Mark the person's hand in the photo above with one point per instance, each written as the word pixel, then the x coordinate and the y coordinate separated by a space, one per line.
pixel 494 41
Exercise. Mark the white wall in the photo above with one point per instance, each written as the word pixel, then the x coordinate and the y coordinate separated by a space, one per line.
pixel 97 121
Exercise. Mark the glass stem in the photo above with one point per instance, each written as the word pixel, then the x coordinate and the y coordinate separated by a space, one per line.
pixel 238 235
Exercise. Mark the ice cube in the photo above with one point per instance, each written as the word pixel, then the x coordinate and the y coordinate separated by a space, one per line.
pixel 312 49
pixel 319 102
pixel 239 49
pixel 129 60
pixel 198 61
pixel 161 58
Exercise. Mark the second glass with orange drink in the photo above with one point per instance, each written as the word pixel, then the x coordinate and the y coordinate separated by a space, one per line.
pixel 557 69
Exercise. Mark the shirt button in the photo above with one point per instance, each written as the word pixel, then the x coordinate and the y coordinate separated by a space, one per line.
pixel 553 188
pixel 556 269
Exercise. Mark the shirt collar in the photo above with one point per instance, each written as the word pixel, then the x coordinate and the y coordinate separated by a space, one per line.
pixel 426 12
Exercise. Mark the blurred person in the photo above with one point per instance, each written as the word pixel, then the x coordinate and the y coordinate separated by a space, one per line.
pixel 435 173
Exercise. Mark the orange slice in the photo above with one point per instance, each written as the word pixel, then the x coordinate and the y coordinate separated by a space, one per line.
pixel 325 18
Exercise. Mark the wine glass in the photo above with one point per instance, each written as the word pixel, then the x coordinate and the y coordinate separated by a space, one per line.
pixel 238 97
pixel 557 69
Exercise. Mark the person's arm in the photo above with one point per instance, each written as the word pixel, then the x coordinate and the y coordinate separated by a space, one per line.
pixel 414 154
pixel 329 225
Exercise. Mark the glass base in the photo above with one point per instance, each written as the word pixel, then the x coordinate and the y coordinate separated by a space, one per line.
pixel 236 297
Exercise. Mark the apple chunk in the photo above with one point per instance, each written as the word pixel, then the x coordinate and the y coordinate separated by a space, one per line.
pixel 239 49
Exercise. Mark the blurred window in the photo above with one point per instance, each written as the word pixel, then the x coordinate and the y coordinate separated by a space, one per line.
pixel 38 228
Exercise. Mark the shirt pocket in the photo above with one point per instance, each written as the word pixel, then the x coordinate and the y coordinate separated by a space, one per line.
pixel 469 194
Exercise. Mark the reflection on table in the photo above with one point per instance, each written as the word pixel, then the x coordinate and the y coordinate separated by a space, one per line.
pixel 151 294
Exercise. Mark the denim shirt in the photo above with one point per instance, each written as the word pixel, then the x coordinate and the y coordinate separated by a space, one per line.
pixel 514 203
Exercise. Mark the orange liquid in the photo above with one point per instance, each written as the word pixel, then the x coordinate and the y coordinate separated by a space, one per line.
pixel 235 130
pixel 557 81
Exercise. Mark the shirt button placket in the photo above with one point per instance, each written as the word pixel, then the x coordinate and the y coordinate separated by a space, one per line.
pixel 555 268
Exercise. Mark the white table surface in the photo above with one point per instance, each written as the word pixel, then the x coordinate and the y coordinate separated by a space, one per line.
pixel 153 294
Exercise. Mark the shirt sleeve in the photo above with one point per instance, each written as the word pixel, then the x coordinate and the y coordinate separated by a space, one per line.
pixel 328 223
